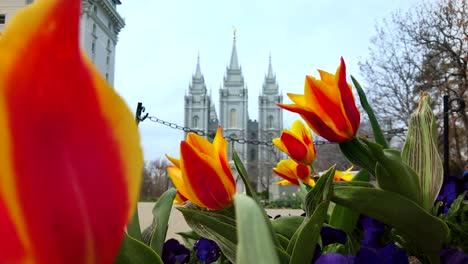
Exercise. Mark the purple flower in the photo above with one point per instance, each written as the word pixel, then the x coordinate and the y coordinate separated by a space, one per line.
pixel 207 250
pixel 335 258
pixel 390 254
pixel 174 252
pixel 453 256
pixel 331 236
pixel 373 230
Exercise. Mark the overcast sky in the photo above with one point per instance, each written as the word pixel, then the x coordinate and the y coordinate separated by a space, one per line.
pixel 157 50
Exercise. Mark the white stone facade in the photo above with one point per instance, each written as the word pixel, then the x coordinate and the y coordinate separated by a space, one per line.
pixel 200 114
pixel 100 25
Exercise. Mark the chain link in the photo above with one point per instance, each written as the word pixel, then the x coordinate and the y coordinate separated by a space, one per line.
pixel 395 131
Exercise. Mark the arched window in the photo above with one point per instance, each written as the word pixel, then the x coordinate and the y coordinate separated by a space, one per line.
pixel 270 121
pixel 195 121
pixel 233 118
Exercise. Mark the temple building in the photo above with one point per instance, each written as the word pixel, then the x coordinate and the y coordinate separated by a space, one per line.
pixel 201 114
pixel 100 25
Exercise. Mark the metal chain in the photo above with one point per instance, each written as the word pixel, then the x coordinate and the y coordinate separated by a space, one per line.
pixel 252 142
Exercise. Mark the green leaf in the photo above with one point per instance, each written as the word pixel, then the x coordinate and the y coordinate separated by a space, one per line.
pixel 189 238
pixel 133 228
pixel 243 173
pixel 161 213
pixel 359 154
pixel 425 231
pixel 308 235
pixel 421 153
pixel 453 210
pixel 353 183
pixel 303 242
pixel 214 225
pixel 251 192
pixel 320 192
pixel 133 251
pixel 393 174
pixel 287 225
pixel 284 241
pixel 378 134
pixel 255 243
pixel 342 217
pixel 335 248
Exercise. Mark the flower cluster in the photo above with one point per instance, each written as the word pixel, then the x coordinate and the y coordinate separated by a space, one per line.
pixel 205 251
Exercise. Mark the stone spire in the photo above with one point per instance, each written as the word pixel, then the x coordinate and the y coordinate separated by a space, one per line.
pixel 197 86
pixel 270 74
pixel 198 74
pixel 270 86
pixel 234 64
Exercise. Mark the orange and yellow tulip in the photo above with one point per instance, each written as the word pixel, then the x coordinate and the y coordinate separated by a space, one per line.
pixel 343 175
pixel 328 106
pixel 70 157
pixel 297 143
pixel 292 172
pixel 203 175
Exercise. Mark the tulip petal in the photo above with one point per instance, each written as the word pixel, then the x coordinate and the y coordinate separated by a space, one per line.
pixel 176 176
pixel 347 97
pixel 174 161
pixel 327 104
pixel 78 147
pixel 279 144
pixel 204 184
pixel 201 144
pixel 303 172
pixel 296 149
pixel 220 145
pixel 315 122
pixel 285 183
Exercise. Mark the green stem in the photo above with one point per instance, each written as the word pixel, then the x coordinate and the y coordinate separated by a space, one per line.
pixel 379 136
pixel 133 228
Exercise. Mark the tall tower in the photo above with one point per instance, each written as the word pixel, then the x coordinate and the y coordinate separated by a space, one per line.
pixel 198 105
pixel 233 103
pixel 100 25
pixel 270 124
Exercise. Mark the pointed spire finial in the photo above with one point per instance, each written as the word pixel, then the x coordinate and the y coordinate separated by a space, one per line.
pixel 234 31
pixel 198 73
pixel 270 69
pixel 234 63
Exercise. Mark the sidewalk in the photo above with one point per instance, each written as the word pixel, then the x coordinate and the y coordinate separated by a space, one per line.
pixel 177 222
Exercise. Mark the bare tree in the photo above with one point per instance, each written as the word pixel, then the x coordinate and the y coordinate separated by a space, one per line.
pixel 424 49
pixel 155 179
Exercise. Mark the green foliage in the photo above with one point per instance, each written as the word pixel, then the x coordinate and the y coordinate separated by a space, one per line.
pixel 292 202
pixel 287 225
pixel 393 174
pixel 457 221
pixel 379 136
pixel 219 226
pixel 243 173
pixel 427 232
pixel 421 153
pixel 255 244
pixel 161 213
pixel 317 200
pixel 133 228
pixel 133 251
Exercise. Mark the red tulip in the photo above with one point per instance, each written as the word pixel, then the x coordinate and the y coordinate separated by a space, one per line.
pixel 203 175
pixel 328 106
pixel 70 158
